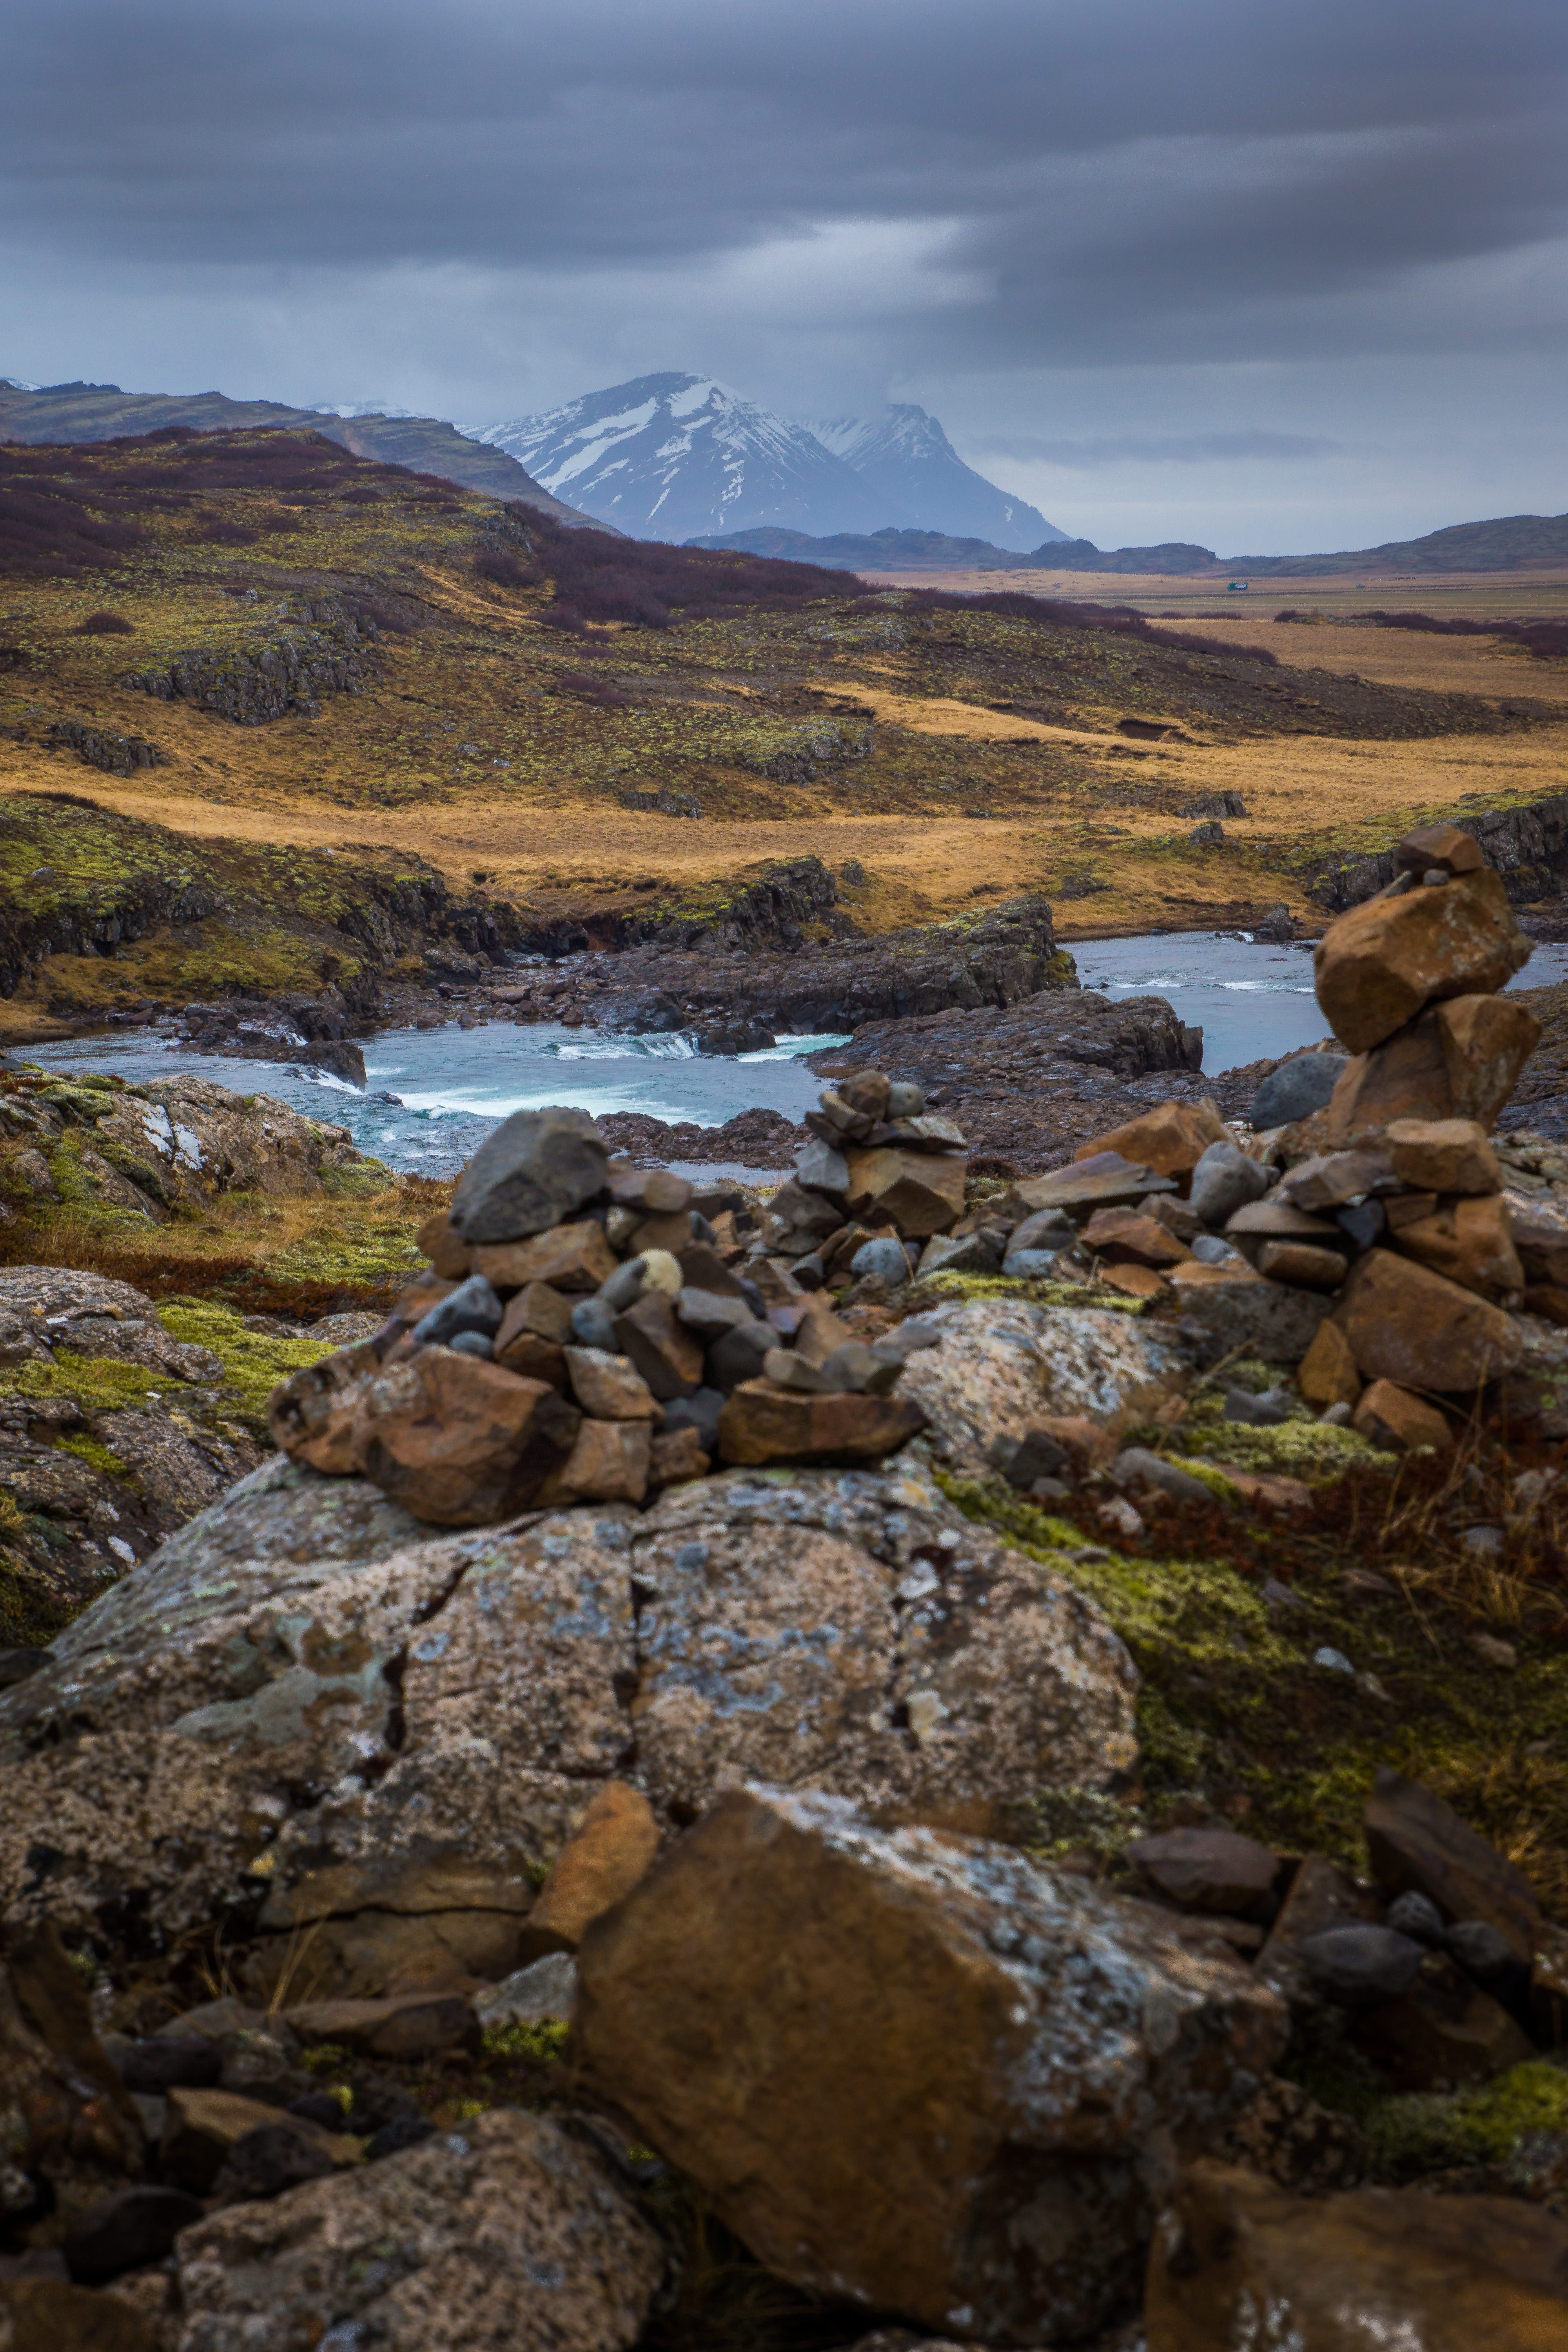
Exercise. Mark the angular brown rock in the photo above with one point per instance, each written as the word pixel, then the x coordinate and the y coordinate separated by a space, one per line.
pixel 1117 1233
pixel 893 2060
pixel 607 1387
pixel 1440 845
pixel 1383 963
pixel 1486 1042
pixel 50 2315
pixel 1327 1373
pixel 1369 2266
pixel 414 2025
pixel 676 1455
pixel 1442 1155
pixel 202 2128
pixel 1418 1842
pixel 1469 1239
pixel 611 1849
pixel 1171 1138
pixel 608 1464
pixel 1408 1324
pixel 1206 1870
pixel 761 1423
pixel 921 1191
pixel 574 1257
pixel 538 1309
pixel 1304 1265
pixel 311 1414
pixel 444 1247
pixel 458 1441
pixel 1390 1416
pixel 1442 2033
pixel 1459 1060
pixel 668 1356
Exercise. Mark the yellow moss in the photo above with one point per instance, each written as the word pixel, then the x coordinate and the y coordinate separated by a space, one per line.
pixel 544 2039
pixel 1313 1450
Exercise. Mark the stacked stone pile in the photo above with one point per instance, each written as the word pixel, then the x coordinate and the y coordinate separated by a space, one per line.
pixel 1374 1241
pixel 588 1331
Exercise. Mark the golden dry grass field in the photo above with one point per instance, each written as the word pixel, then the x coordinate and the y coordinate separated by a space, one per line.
pixel 955 754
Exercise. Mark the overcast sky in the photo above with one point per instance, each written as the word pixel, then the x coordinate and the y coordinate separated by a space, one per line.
pixel 1274 274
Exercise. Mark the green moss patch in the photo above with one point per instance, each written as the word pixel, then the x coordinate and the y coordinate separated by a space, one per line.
pixel 1427 2133
pixel 253 1361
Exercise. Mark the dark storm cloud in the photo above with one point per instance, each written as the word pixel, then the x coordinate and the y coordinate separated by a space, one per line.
pixel 1122 177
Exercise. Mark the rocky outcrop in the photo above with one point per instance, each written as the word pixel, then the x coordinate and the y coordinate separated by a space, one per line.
pixel 102 881
pixel 97 1463
pixel 307 1706
pixel 1030 1079
pixel 174 1141
pixel 322 649
pixel 998 958
pixel 117 755
pixel 1528 847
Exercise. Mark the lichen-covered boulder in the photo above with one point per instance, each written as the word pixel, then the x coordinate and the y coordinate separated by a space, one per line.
pixel 307 1699
pixel 1003 1362
pixel 512 2230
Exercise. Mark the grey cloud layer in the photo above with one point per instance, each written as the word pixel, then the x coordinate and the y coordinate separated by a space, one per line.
pixel 1157 449
pixel 1119 178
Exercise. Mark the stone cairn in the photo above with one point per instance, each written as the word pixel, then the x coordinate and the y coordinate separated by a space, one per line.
pixel 592 1331
pixel 1361 1233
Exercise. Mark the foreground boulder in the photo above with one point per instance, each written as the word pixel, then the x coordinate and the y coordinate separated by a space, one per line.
pixel 1237 2262
pixel 390 1734
pixel 512 2230
pixel 916 2069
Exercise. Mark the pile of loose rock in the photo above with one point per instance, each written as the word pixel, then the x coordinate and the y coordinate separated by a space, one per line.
pixel 592 1331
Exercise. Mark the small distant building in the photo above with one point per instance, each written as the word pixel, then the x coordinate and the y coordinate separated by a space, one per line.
pixel 1238 583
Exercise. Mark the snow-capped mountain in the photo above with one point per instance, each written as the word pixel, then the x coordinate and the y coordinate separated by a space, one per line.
pixel 919 482
pixel 683 456
pixel 680 456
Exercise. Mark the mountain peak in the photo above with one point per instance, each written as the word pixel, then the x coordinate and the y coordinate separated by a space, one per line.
pixel 677 456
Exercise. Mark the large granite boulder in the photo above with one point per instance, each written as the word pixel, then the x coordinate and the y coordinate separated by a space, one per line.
pixel 309 1709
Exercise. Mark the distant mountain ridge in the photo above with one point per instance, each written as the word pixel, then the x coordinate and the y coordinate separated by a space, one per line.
pixel 1507 543
pixel 682 457
pixel 76 413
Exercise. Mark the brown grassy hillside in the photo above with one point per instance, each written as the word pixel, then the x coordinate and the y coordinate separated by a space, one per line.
pixel 262 638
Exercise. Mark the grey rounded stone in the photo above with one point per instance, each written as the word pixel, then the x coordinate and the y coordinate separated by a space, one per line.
pixel 1360 1965
pixel 1416 1916
pixel 1297 1088
pixel 1223 1180
pixel 593 1325
pixel 1482 1951
pixel 883 1257
pixel 623 1288
pixel 472 1307
pixel 1026 1265
pixel 905 1100
pixel 473 1343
